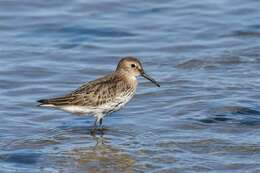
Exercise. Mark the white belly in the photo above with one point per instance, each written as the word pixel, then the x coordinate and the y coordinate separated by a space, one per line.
pixel 109 107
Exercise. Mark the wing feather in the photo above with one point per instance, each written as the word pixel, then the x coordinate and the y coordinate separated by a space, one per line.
pixel 94 93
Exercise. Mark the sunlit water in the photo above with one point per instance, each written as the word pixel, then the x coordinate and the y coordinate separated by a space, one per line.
pixel 204 118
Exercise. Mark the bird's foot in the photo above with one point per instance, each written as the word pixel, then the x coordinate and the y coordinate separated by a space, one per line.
pixel 100 130
pixel 93 131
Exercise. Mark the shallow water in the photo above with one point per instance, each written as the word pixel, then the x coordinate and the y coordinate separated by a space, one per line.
pixel 204 118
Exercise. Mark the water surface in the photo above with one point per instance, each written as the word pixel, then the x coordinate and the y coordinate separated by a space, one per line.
pixel 205 117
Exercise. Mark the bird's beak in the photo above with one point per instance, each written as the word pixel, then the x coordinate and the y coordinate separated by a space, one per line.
pixel 149 78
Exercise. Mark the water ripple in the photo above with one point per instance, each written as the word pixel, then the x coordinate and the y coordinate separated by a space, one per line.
pixel 205 117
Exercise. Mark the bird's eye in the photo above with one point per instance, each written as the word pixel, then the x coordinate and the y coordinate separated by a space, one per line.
pixel 133 65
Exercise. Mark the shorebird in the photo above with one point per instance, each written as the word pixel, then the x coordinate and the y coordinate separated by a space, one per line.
pixel 103 95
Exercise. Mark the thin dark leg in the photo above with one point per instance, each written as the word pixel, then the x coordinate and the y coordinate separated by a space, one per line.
pixel 93 130
pixel 100 126
pixel 100 122
pixel 95 124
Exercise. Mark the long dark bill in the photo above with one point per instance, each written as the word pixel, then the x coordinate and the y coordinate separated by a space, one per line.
pixel 149 78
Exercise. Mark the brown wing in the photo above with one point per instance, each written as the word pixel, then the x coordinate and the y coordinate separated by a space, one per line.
pixel 94 93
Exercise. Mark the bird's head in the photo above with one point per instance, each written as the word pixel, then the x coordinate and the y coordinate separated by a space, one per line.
pixel 133 67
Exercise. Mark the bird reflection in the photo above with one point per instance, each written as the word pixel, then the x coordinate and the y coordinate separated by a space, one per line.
pixel 102 156
pixel 100 140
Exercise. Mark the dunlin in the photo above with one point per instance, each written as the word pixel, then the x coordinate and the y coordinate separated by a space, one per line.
pixel 104 95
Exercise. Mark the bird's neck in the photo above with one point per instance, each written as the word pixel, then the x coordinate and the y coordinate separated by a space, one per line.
pixel 129 78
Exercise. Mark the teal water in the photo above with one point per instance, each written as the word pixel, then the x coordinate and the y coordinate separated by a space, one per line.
pixel 205 117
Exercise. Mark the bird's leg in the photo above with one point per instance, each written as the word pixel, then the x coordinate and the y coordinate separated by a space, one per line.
pixel 100 126
pixel 95 123
pixel 100 122
pixel 93 130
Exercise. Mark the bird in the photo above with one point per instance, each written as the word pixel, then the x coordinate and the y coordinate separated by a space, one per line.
pixel 104 95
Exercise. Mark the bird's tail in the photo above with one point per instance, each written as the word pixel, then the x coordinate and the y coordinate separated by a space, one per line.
pixel 60 101
pixel 44 102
